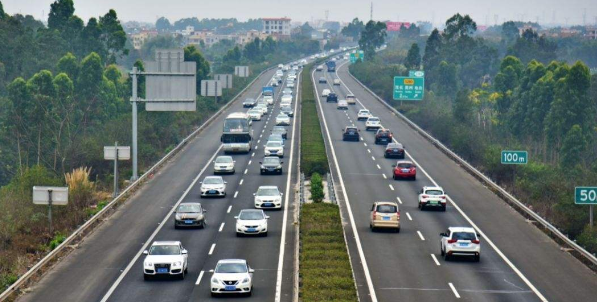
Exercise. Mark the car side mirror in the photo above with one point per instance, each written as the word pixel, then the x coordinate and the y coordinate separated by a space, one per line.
pixel 394 166
pixel 145 252
pixel 443 234
pixel 478 235
pixel 281 162
pixel 266 217
pixel 233 161
pixel 260 163
pixel 251 270
pixel 184 252
pixel 254 194
pixel 235 217
pixel 211 270
pixel 225 182
pixel 200 182
pixel 204 211
pixel 281 194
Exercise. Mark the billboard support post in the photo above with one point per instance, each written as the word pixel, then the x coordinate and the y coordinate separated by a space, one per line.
pixel 134 103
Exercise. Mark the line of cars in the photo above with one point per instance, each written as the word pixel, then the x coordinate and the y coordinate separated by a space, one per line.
pixel 456 241
pixel 170 258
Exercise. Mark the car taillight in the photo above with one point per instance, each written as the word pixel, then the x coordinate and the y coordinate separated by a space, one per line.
pixel 475 241
pixel 443 197
pixel 374 215
pixel 452 241
pixel 425 196
pixel 398 214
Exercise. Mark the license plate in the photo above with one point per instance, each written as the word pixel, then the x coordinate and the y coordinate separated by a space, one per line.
pixel 162 270
pixel 405 170
pixel 268 204
pixel 433 202
pixel 463 244
pixel 270 169
pixel 212 192
pixel 386 218
pixel 273 151
pixel 395 150
pixel 230 287
pixel 188 221
pixel 251 230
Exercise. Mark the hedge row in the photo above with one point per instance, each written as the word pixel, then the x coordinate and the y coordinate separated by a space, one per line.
pixel 324 269
pixel 313 155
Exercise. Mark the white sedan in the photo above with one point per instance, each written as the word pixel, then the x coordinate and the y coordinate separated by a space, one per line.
pixel 373 123
pixel 325 92
pixel 286 98
pixel 268 197
pixel 268 99
pixel 290 84
pixel 213 186
pixel 224 164
pixel 363 114
pixel 273 148
pixel 232 276
pixel 255 114
pixel 166 258
pixel 251 222
pixel 460 241
pixel 282 120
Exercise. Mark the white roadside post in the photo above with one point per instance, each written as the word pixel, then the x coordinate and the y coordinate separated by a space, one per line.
pixel 50 196
pixel 116 153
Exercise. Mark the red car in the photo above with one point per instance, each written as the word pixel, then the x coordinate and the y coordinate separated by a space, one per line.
pixel 405 169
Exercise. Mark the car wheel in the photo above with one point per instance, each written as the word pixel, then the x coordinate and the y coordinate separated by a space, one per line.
pixel 181 276
pixel 201 196
pixel 265 234
pixel 415 177
pixel 238 234
pixel 385 156
pixel 202 226
pixel 398 230
pixel 175 226
pixel 394 177
pixel 446 256
pixel 421 206
pixel 441 250
pixel 146 277
pixel 186 270
pixel 214 294
pixel 443 208
pixel 477 258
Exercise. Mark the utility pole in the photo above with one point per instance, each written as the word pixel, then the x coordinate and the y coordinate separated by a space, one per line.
pixel 371 13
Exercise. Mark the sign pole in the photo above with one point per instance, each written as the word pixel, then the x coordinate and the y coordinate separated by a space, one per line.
pixel 134 118
pixel 116 190
pixel 50 212
pixel 591 216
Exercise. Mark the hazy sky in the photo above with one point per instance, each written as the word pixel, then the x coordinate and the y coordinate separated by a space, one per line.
pixel 340 10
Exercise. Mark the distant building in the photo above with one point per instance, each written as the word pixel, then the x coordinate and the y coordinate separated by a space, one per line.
pixel 210 38
pixel 138 39
pixel 278 27
pixel 591 33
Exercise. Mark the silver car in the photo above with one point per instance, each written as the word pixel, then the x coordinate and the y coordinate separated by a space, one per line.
pixel 224 164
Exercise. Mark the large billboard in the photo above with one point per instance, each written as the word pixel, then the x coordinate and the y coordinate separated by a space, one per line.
pixel 395 26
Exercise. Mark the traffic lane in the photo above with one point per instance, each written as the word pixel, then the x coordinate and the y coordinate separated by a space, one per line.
pixel 135 288
pixel 501 280
pixel 89 271
pixel 260 252
pixel 563 279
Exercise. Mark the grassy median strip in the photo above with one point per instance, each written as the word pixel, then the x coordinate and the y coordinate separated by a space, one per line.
pixel 325 271
pixel 313 155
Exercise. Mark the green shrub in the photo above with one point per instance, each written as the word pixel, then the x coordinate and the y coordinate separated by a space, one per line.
pixel 58 239
pixel 316 187
pixel 588 238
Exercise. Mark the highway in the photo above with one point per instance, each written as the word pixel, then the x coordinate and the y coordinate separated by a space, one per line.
pixel 107 266
pixel 518 262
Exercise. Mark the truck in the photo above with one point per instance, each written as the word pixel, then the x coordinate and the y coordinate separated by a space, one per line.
pixel 268 91
pixel 331 66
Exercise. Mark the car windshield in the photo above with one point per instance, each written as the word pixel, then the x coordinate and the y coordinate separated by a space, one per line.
pixel 281 128
pixel 434 192
pixel 212 181
pixel 286 108
pixel 268 192
pixel 384 208
pixel 160 250
pixel 405 165
pixel 364 112
pixel 463 236
pixel 253 111
pixel 282 115
pixel 350 96
pixel 351 130
pixel 189 208
pixel 231 268
pixel 273 144
pixel 275 138
pixel 271 161
pixel 249 101
pixel 394 146
pixel 224 159
pixel 251 215
pixel 373 119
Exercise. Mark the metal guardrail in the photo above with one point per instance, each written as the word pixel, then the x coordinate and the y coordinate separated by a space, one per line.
pixel 302 188
pixel 78 234
pixel 331 190
pixel 579 252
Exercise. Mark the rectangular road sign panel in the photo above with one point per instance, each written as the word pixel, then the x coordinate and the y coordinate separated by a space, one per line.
pixel 41 195
pixel 585 195
pixel 124 153
pixel 226 80
pixel 241 71
pixel 409 88
pixel 510 157
pixel 170 82
pixel 416 73
pixel 211 88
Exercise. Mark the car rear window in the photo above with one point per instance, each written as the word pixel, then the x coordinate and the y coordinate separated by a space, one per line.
pixel 464 236
pixel 384 208
pixel 434 192
pixel 405 165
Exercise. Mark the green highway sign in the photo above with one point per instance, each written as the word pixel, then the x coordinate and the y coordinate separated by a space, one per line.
pixel 514 157
pixel 585 195
pixel 409 88
pixel 356 56
pixel 416 74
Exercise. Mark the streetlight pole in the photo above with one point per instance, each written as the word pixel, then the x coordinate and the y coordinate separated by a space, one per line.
pixel 134 118
pixel 50 212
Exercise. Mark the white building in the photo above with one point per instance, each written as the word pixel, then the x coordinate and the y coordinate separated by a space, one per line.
pixel 279 27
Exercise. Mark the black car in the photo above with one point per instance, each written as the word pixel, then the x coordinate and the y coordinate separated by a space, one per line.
pixel 332 97
pixel 350 133
pixel 394 150
pixel 280 130
pixel 287 110
pixel 383 137
pixel 271 165
pixel 249 103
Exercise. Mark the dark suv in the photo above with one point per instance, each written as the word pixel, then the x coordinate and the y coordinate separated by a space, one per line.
pixel 394 150
pixel 332 97
pixel 383 137
pixel 350 133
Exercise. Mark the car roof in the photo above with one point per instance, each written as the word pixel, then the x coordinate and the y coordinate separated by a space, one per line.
pixel 190 203
pixel 432 188
pixel 165 243
pixel 268 187
pixel 243 261
pixel 363 110
pixel 462 229
pixel 405 162
pixel 393 145
pixel 213 177
pixel 271 157
pixel 386 203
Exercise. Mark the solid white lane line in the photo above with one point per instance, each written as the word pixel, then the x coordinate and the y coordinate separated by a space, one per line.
pixel 408 215
pixel 246 170
pixel 399 200
pixel 484 236
pixel 235 194
pixel 353 225
pixel 221 227
pixel 391 187
pixel 435 260
pixel 373 157
pixel 421 235
pixel 241 182
pixel 200 277
pixel 250 161
pixel 279 276
pixel 384 176
pixel 454 290
pixel 211 250
pixel 378 166
pixel 157 230
pixel 229 208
